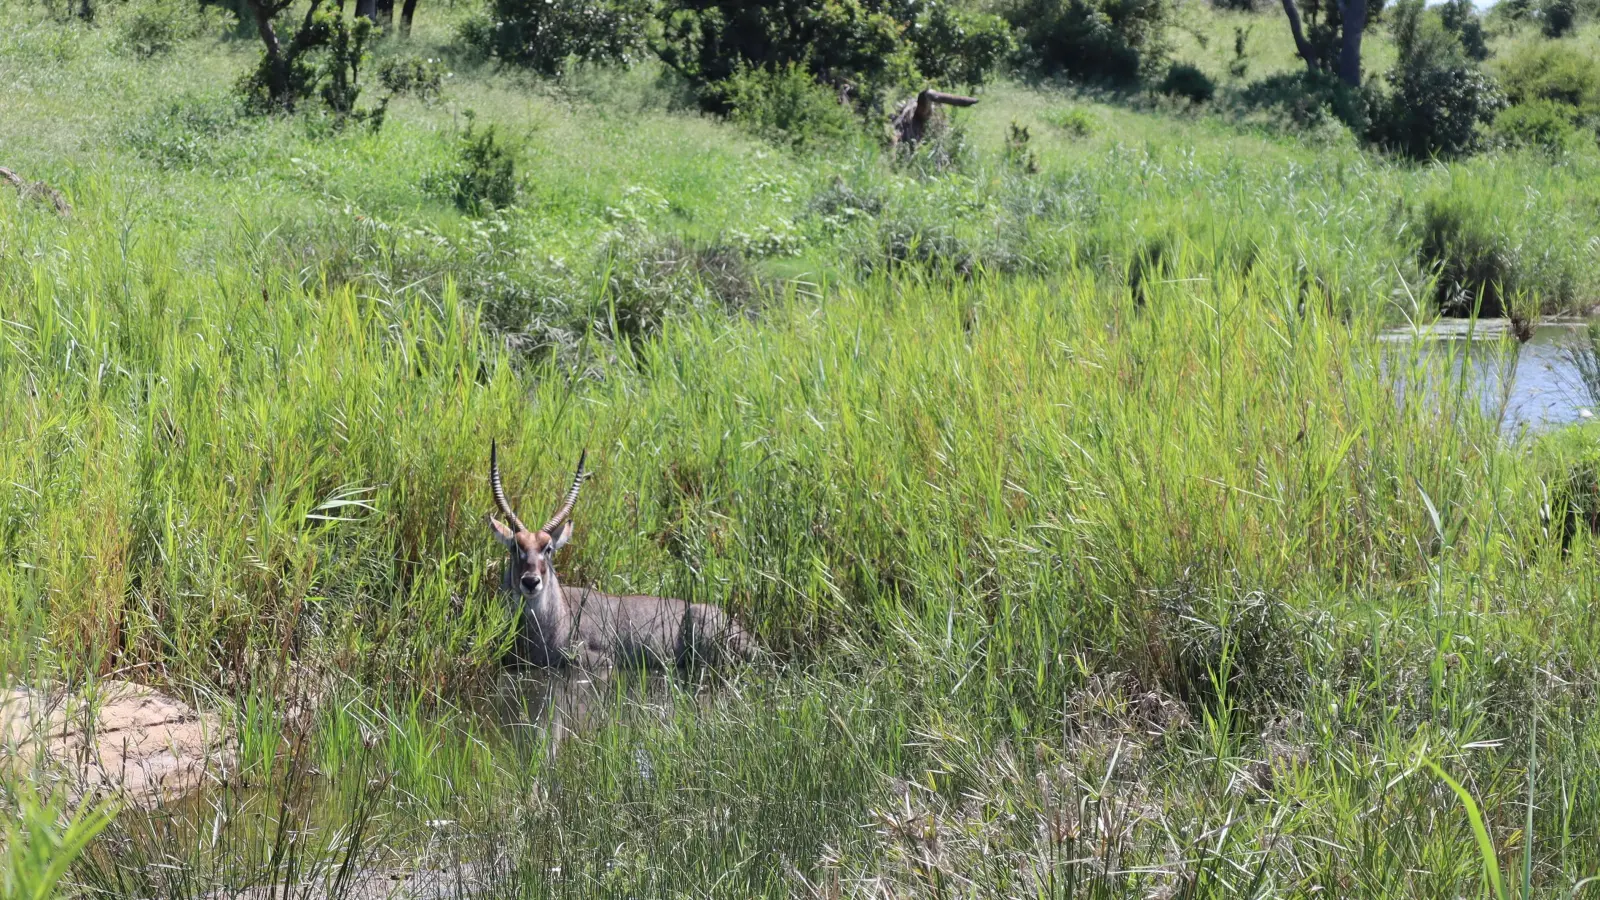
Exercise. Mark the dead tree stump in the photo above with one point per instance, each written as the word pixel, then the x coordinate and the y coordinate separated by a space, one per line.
pixel 913 117
pixel 36 189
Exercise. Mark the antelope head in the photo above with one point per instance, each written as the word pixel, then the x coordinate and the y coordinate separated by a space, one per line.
pixel 532 551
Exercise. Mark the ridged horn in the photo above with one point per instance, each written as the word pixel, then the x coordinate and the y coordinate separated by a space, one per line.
pixel 500 492
pixel 572 495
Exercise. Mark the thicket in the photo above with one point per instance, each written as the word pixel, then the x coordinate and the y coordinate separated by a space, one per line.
pixel 542 35
pixel 1439 100
pixel 482 177
pixel 323 60
pixel 1110 40
pixel 786 105
pixel 1554 90
pixel 864 50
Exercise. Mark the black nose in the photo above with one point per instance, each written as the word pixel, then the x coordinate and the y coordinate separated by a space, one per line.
pixel 531 582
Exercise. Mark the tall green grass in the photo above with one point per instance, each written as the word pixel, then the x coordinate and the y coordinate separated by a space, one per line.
pixel 1002 530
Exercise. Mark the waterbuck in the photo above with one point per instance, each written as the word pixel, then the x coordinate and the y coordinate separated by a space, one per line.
pixel 588 629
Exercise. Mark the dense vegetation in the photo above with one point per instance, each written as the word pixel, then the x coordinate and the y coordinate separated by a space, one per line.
pixel 1097 544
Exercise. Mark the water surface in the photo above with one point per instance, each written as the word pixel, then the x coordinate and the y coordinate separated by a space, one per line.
pixel 1536 381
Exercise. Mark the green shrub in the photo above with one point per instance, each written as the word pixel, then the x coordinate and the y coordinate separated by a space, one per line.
pixel 1310 100
pixel 324 59
pixel 1485 235
pixel 1438 101
pixel 1508 13
pixel 1556 72
pixel 1017 153
pixel 483 177
pixel 1537 123
pixel 787 106
pixel 1073 122
pixel 418 77
pixel 651 279
pixel 1557 18
pixel 843 203
pixel 1184 80
pixel 863 49
pixel 911 242
pixel 542 35
pixel 1471 254
pixel 955 46
pixel 1113 40
pixel 1462 20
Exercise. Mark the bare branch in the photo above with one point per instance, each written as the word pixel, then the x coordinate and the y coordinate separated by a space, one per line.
pixel 910 122
pixel 36 189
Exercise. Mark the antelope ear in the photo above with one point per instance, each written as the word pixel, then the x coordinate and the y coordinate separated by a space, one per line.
pixel 504 534
pixel 559 539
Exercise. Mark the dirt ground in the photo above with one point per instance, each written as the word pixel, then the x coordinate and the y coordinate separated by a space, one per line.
pixel 126 738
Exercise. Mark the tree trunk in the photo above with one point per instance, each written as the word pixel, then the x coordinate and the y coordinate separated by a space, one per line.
pixel 367 9
pixel 277 75
pixel 1304 46
pixel 385 11
pixel 911 121
pixel 408 11
pixel 1354 15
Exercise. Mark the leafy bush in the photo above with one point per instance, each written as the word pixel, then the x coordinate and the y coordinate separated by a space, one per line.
pixel 542 35
pixel 1555 72
pixel 1537 123
pixel 1508 14
pixel 324 59
pixel 1470 256
pixel 1557 18
pixel 1017 153
pixel 1073 122
pixel 913 243
pixel 1239 66
pixel 421 78
pixel 955 46
pixel 842 203
pixel 1310 100
pixel 787 106
pixel 155 27
pixel 1115 40
pixel 1507 254
pixel 861 48
pixel 483 177
pixel 1438 100
pixel 1460 19
pixel 652 279
pixel 1184 80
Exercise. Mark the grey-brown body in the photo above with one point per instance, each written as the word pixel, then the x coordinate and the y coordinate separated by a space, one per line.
pixel 587 628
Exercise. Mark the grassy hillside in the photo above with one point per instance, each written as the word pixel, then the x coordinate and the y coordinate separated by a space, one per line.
pixel 1098 546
